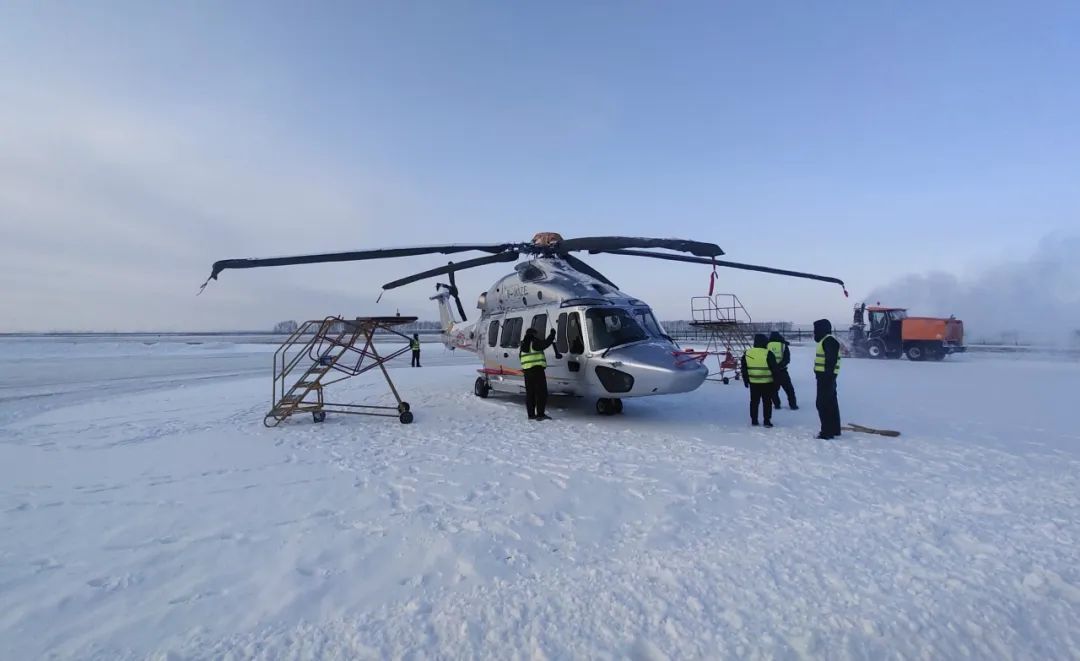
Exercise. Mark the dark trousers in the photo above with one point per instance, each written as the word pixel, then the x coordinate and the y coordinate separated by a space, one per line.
pixel 827 407
pixel 416 358
pixel 761 392
pixel 535 391
pixel 783 380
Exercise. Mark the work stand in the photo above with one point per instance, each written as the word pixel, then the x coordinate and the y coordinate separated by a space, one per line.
pixel 325 352
pixel 728 331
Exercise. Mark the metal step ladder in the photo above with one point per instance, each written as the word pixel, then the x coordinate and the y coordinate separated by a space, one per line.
pixel 323 352
pixel 728 329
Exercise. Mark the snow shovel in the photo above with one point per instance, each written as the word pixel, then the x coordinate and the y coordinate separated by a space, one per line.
pixel 870 430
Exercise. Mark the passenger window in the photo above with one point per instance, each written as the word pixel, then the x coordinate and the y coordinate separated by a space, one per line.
pixel 493 333
pixel 560 340
pixel 511 333
pixel 573 334
pixel 539 324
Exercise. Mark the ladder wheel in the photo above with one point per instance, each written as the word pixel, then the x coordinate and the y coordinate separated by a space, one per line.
pixel 318 416
pixel 726 380
pixel 406 417
pixel 403 407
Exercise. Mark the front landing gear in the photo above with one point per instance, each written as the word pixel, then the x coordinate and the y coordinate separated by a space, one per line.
pixel 609 406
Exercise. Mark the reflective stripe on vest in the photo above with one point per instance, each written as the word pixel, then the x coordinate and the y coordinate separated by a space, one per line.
pixel 757 365
pixel 415 344
pixel 777 349
pixel 819 359
pixel 532 359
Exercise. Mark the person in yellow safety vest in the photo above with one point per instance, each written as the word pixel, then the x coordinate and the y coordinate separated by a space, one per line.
pixel 414 344
pixel 826 370
pixel 533 365
pixel 778 346
pixel 758 370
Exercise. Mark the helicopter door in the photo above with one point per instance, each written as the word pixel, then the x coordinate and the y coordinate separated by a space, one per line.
pixel 575 342
pixel 509 344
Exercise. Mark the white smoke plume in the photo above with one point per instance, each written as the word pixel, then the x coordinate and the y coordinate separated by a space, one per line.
pixel 1034 300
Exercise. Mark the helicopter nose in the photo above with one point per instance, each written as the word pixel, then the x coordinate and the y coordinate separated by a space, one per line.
pixel 657 369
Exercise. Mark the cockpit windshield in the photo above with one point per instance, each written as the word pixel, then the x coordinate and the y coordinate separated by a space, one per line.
pixel 897 315
pixel 611 327
pixel 646 320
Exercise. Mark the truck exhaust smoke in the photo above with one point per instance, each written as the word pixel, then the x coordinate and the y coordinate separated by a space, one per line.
pixel 1034 300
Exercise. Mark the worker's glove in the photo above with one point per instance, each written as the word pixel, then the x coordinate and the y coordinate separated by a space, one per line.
pixel 745 383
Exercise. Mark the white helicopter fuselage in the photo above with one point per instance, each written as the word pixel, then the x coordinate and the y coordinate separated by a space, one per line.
pixel 609 344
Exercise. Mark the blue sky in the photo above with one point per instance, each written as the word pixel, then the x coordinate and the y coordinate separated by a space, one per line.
pixel 141 141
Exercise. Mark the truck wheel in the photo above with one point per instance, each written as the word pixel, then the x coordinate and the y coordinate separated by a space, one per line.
pixel 916 352
pixel 481 388
pixel 875 350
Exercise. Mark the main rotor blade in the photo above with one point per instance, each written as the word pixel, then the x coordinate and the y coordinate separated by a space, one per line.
pixel 587 270
pixel 509 256
pixel 608 243
pixel 718 262
pixel 355 255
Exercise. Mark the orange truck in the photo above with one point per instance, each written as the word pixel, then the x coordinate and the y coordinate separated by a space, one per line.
pixel 891 333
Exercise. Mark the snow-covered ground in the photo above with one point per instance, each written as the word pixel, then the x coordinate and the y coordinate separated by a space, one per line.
pixel 146 512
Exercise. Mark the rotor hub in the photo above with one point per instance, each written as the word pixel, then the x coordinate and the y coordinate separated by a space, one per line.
pixel 547 239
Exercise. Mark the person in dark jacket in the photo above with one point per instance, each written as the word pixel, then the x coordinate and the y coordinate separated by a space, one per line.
pixel 758 373
pixel 414 344
pixel 782 352
pixel 826 370
pixel 533 366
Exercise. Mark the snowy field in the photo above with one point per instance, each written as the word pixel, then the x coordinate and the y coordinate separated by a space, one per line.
pixel 147 513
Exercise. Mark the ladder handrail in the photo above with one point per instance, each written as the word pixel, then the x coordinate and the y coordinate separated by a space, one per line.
pixel 282 351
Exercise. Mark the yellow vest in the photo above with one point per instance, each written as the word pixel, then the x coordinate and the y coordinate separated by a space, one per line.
pixel 777 349
pixel 819 359
pixel 757 366
pixel 531 359
pixel 415 344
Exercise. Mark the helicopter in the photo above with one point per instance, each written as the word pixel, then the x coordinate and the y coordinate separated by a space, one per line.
pixel 609 345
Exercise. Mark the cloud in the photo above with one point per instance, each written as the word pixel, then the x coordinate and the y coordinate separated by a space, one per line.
pixel 1036 298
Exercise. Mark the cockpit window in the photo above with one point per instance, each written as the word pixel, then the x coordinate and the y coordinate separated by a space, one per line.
pixel 646 320
pixel 610 327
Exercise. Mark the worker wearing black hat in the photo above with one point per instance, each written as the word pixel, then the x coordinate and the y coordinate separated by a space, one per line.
pixel 778 346
pixel 758 370
pixel 826 370
pixel 414 344
pixel 533 366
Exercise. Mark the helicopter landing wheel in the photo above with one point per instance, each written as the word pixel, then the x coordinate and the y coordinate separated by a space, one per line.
pixel 481 387
pixel 605 406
